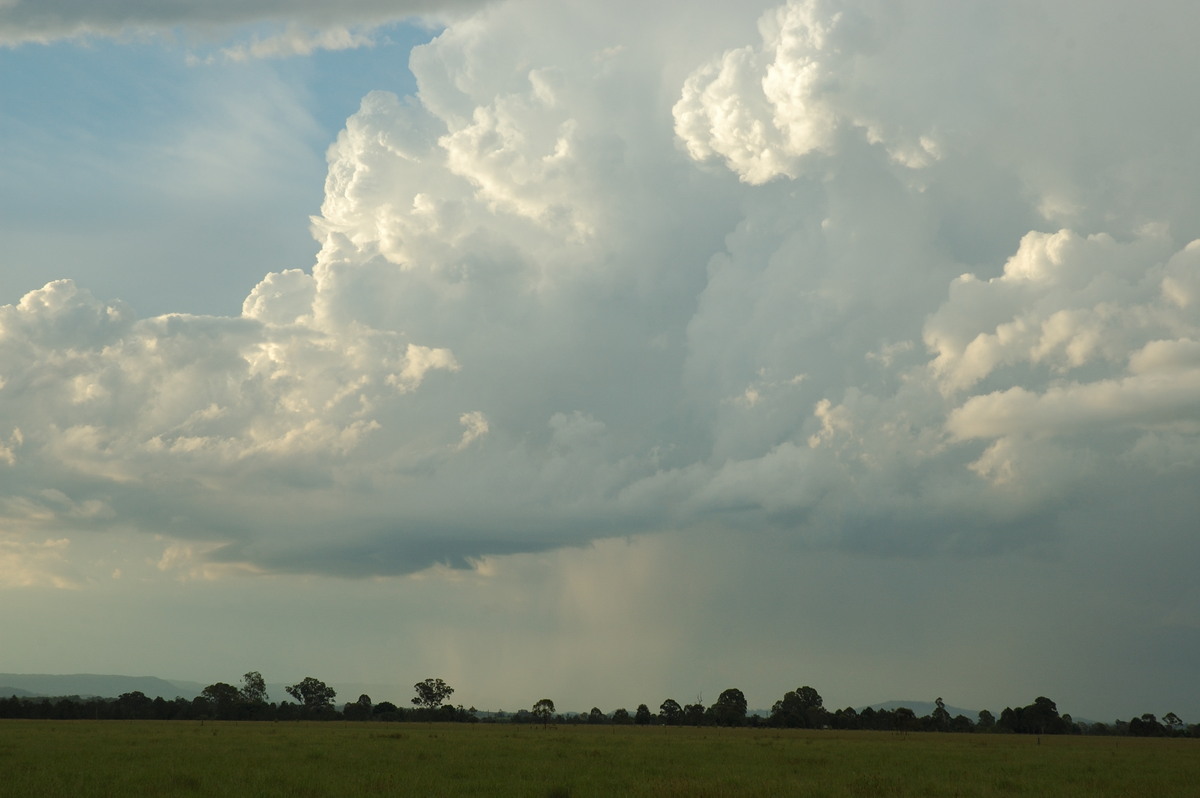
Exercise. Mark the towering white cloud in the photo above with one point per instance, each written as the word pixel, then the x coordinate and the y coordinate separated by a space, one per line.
pixel 1053 346
pixel 855 280
pixel 764 108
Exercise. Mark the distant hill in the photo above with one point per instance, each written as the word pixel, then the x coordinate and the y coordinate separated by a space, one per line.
pixel 6 692
pixel 90 684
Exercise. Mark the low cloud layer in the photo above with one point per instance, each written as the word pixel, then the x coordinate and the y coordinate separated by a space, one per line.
pixel 293 27
pixel 878 278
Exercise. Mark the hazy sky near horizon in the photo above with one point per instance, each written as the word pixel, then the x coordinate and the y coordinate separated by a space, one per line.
pixel 605 354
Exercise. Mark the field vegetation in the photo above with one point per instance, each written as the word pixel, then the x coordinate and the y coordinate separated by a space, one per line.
pixel 94 759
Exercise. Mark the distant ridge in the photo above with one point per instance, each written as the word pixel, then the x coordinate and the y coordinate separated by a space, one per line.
pixel 6 692
pixel 91 684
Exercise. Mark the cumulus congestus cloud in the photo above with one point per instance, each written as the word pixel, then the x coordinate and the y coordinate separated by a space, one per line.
pixel 182 426
pixel 857 280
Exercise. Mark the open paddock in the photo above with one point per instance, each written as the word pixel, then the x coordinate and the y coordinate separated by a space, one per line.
pixel 86 759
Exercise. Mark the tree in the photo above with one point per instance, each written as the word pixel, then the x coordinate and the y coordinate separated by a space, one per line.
pixel 961 724
pixel 642 716
pixel 670 712
pixel 622 717
pixel 132 705
pixel 543 710
pixel 847 718
pixel 597 716
pixel 987 721
pixel 1146 726
pixel 359 710
pixel 905 719
pixel 730 709
pixel 941 717
pixel 1040 717
pixel 694 714
pixel 223 700
pixel 431 693
pixel 800 708
pixel 313 694
pixel 254 689
pixel 386 710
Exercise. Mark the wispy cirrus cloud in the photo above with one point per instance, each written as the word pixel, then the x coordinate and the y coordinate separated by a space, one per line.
pixel 295 41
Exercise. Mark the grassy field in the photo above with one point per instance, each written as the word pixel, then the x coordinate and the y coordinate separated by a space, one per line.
pixel 81 759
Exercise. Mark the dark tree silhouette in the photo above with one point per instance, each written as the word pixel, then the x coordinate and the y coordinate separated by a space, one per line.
pixel 431 693
pixel 223 700
pixel 254 689
pixel 730 709
pixel 800 708
pixel 543 710
pixel 313 694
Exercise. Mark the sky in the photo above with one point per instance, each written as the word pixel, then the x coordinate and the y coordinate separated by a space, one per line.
pixel 605 354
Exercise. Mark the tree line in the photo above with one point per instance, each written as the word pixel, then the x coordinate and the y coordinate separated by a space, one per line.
pixel 802 708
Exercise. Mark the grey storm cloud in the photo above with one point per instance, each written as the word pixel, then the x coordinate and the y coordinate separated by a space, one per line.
pixel 756 301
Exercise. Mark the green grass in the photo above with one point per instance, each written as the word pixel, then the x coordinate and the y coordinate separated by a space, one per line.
pixel 85 759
